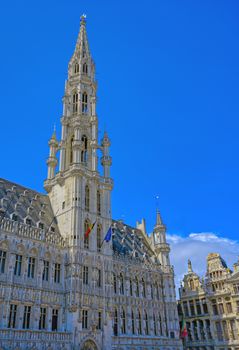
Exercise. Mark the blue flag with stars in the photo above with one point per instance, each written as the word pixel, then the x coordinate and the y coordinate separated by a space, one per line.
pixel 108 235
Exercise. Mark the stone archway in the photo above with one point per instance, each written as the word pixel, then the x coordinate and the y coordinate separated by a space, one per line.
pixel 89 345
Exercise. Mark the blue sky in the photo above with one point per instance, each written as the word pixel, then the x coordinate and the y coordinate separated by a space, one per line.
pixel 168 86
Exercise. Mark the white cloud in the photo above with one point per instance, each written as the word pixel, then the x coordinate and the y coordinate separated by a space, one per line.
pixel 196 247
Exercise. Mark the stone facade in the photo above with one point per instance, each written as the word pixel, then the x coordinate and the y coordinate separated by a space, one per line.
pixel 210 306
pixel 63 289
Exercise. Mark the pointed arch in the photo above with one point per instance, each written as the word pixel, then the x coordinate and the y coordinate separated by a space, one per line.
pixel 146 320
pixel 98 238
pixel 75 100
pixel 143 288
pixel 132 322
pixel 85 68
pixel 123 321
pixel 84 141
pixel 121 279
pixel 136 286
pixel 71 149
pixel 139 322
pixel 115 321
pixel 76 68
pixel 87 198
pixel 84 103
pixel 98 202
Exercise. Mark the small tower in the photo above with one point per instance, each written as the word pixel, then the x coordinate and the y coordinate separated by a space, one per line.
pixel 161 246
pixel 190 269
pixel 106 160
pixel 52 159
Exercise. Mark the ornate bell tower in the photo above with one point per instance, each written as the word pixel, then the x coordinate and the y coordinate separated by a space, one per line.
pixel 79 194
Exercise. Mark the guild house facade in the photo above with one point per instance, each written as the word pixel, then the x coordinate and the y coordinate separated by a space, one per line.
pixel 62 286
pixel 210 306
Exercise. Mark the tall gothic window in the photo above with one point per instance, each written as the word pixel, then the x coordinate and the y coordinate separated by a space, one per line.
pixel 139 323
pixel 76 68
pixel 114 283
pixel 54 320
pixel 98 203
pixel 71 150
pixel 133 322
pixel 31 267
pixel 146 320
pixel 123 322
pixel 131 287
pixel 115 322
pixel 155 325
pixel 12 316
pixel 26 317
pixel 3 256
pixel 144 289
pixel 84 150
pixel 75 103
pixel 87 198
pixel 121 278
pixel 85 68
pixel 86 238
pixel 137 287
pixel 98 238
pixel 84 105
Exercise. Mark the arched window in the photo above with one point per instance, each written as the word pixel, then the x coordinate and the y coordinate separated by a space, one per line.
pixel 71 150
pixel 121 284
pixel 139 323
pixel 143 288
pixel 98 238
pixel 85 68
pixel 160 325
pixel 123 322
pixel 98 203
pixel 132 322
pixel 114 283
pixel 137 287
pixel 76 68
pixel 87 198
pixel 131 287
pixel 157 291
pixel 155 326
pixel 115 322
pixel 84 103
pixel 75 103
pixel 152 291
pixel 84 149
pixel 86 238
pixel 146 320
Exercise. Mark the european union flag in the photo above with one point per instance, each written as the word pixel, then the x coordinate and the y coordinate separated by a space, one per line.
pixel 108 235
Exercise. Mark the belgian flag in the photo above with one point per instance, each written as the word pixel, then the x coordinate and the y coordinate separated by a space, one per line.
pixel 89 229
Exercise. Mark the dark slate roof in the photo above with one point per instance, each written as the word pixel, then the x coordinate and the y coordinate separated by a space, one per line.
pixel 131 242
pixel 26 206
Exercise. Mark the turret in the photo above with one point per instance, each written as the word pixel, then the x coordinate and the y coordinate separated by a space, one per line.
pixel 161 246
pixel 52 160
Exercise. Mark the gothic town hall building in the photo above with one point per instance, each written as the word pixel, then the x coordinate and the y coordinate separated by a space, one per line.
pixel 61 289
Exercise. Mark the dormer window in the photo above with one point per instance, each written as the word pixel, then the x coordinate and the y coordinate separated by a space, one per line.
pixel 85 68
pixel 76 68
pixel 14 217
pixel 84 105
pixel 29 222
pixel 75 103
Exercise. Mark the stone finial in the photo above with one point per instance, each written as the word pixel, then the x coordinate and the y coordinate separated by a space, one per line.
pixel 158 218
pixel 190 266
